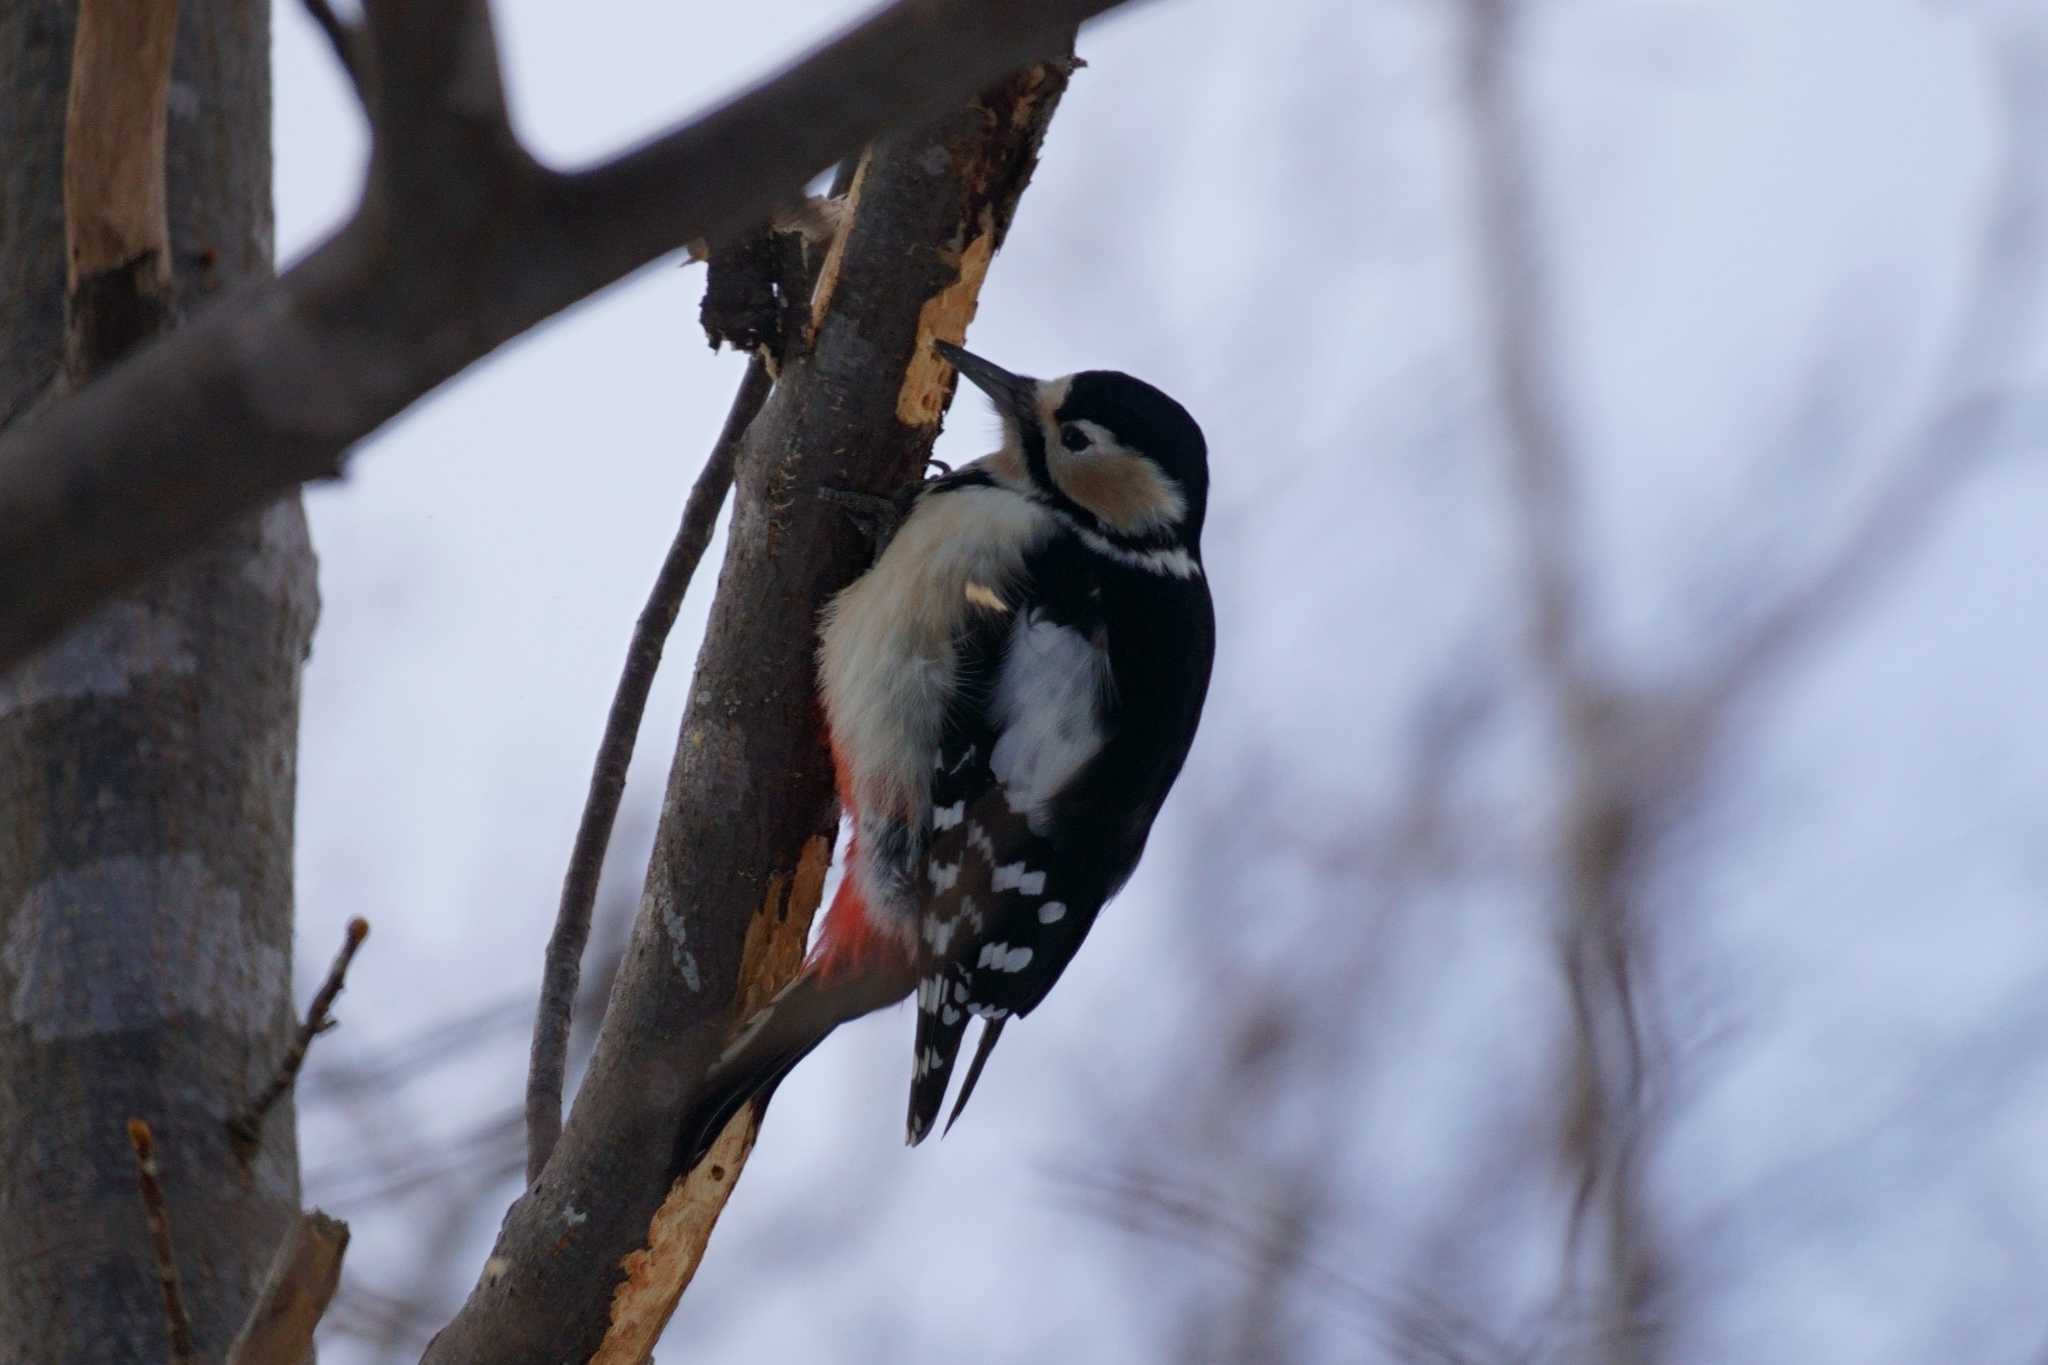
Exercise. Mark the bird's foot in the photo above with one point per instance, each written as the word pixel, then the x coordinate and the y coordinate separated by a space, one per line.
pixel 875 515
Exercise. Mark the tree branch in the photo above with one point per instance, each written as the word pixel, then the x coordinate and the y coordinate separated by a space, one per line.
pixel 245 1130
pixel 177 1322
pixel 1537 443
pixel 295 1294
pixel 590 1261
pixel 564 962
pixel 1596 723
pixel 462 242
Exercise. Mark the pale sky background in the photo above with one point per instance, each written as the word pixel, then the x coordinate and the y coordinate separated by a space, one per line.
pixel 1267 210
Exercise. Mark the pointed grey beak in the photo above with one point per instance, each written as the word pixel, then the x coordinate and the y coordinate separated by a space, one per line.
pixel 1014 395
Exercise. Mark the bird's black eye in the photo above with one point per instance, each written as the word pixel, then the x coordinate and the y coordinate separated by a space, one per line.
pixel 1073 438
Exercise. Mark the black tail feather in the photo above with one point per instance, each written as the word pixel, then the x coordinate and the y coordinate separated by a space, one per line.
pixel 709 1115
pixel 991 1029
pixel 941 1024
pixel 771 1043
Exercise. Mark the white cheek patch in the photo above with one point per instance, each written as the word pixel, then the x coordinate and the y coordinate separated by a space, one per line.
pixel 1047 706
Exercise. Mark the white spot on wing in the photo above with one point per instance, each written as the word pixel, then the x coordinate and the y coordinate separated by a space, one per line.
pixel 1052 912
pixel 1005 877
pixel 1016 877
pixel 1001 957
pixel 945 817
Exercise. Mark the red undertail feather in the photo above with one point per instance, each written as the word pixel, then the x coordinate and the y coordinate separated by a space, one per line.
pixel 848 939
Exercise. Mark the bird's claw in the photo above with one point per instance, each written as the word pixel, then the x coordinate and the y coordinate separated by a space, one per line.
pixel 876 515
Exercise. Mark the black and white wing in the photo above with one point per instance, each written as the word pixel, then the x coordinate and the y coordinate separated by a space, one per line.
pixel 1026 841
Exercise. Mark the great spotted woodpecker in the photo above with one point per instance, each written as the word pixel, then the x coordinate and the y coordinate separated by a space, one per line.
pixel 1010 691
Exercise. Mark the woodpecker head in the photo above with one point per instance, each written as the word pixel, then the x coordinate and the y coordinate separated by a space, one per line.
pixel 1110 450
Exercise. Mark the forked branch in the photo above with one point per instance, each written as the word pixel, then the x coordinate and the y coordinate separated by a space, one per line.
pixel 462 242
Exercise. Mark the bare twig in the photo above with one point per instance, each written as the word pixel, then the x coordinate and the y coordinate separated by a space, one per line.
pixel 246 1129
pixel 1537 443
pixel 1595 721
pixel 177 1322
pixel 295 1294
pixel 462 242
pixel 564 962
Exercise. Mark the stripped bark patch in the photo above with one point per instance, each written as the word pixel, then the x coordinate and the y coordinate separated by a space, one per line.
pixel 828 273
pixel 776 935
pixel 657 1273
pixel 944 317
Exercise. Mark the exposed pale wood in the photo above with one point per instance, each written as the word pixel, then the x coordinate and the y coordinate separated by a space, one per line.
pixel 114 118
pixel 295 1294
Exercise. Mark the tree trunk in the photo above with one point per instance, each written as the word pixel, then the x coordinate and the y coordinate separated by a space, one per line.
pixel 147 771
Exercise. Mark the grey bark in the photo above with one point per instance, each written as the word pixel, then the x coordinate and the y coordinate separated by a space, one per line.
pixel 147 770
pixel 748 818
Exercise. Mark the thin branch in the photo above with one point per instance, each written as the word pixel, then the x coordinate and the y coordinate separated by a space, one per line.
pixel 1537 442
pixel 177 1322
pixel 462 242
pixel 245 1130
pixel 1601 825
pixel 295 1295
pixel 564 962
